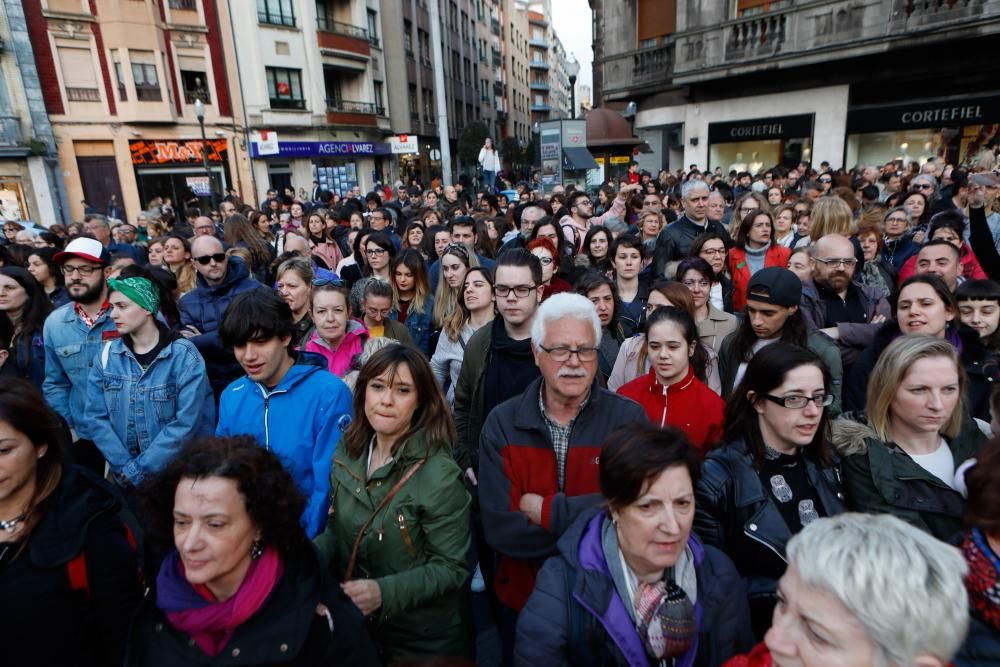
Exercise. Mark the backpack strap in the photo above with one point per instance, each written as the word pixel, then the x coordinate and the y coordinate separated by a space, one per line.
pixel 76 568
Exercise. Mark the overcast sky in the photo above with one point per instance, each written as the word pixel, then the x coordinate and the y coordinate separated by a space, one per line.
pixel 572 22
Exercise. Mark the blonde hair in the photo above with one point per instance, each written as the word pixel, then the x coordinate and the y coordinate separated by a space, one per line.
pixel 448 314
pixel 893 365
pixel 831 215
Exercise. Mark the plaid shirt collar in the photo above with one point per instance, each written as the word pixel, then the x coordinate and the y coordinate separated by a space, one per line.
pixel 87 319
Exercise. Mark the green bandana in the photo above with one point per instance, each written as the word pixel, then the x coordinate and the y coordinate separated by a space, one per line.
pixel 140 290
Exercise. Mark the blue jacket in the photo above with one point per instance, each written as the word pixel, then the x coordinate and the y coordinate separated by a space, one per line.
pixel 300 421
pixel 70 349
pixel 141 419
pixel 203 308
pixel 419 325
pixel 27 360
pixel 576 617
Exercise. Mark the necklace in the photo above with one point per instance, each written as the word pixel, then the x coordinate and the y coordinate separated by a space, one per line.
pixel 10 524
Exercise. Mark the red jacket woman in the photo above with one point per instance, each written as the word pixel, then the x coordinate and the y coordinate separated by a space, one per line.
pixel 755 249
pixel 689 405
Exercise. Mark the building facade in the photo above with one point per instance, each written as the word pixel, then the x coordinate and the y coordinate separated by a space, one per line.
pixel 549 84
pixel 750 84
pixel 30 178
pixel 120 81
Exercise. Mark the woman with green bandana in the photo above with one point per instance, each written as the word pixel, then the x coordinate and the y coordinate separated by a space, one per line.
pixel 148 391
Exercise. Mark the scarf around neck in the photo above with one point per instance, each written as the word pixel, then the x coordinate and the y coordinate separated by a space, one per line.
pixel 194 610
pixel 983 580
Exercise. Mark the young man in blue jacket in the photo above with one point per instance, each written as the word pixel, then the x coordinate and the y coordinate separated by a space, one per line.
pixel 287 400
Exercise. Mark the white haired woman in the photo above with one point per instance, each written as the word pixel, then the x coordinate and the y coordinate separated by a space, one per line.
pixel 828 616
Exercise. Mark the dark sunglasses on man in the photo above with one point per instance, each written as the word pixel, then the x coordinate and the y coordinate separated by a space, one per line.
pixel 218 258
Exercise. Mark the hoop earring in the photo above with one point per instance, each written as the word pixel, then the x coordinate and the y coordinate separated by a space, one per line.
pixel 256 550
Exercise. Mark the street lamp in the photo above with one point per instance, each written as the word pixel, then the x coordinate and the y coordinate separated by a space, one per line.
pixel 199 112
pixel 572 69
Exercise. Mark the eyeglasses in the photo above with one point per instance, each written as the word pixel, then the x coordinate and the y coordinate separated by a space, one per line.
pixel 826 180
pixel 696 283
pixel 896 219
pixel 837 262
pixel 520 291
pixel 799 402
pixel 746 209
pixel 560 354
pixel 218 258
pixel 544 260
pixel 84 271
pixel 375 312
pixel 583 202
pixel 925 186
pixel 375 252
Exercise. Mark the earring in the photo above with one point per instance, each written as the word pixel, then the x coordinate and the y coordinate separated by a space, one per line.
pixel 256 550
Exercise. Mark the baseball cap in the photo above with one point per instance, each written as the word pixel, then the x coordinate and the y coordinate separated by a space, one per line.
pixel 84 248
pixel 775 285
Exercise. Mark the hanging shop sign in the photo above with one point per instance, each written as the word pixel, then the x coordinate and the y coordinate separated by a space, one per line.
pixel 404 144
pixel 154 152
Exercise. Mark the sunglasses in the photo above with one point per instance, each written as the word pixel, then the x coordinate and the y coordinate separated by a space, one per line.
pixel 218 258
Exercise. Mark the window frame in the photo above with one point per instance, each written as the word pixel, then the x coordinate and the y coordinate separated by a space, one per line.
pixel 275 98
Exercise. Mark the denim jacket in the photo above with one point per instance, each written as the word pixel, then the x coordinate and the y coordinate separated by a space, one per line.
pixel 70 349
pixel 140 419
pixel 419 325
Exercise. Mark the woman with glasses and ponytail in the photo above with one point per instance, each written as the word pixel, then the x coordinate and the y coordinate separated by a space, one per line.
pixel 148 391
pixel 775 474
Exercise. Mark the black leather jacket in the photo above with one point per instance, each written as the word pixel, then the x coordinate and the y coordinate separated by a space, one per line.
pixel 734 513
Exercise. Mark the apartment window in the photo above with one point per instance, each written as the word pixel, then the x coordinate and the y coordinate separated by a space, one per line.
pixel 147 85
pixel 333 78
pixel 424 43
pixel 119 75
pixel 414 113
pixel 77 66
pixel 428 105
pixel 284 87
pixel 194 81
pixel 407 39
pixel 457 121
pixel 373 27
pixel 190 5
pixel 379 100
pixel 275 12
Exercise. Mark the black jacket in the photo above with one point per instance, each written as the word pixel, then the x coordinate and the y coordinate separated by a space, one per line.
pixel 735 514
pixel 46 619
pixel 287 630
pixel 981 647
pixel 979 364
pixel 674 241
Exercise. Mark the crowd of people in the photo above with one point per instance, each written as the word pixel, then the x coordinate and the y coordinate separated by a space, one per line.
pixel 688 419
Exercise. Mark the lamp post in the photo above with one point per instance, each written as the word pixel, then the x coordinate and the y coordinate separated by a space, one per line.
pixel 199 112
pixel 572 69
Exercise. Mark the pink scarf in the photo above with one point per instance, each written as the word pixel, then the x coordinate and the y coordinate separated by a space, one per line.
pixel 194 610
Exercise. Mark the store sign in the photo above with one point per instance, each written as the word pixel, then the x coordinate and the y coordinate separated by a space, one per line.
pixel 404 144
pixel 177 152
pixel 620 159
pixel 313 149
pixel 916 115
pixel 755 129
pixel 266 142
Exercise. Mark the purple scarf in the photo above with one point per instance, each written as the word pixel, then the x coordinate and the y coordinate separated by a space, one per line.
pixel 194 610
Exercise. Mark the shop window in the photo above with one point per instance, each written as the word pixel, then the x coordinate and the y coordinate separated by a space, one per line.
pixel 194 81
pixel 284 87
pixel 275 12
pixel 147 84
pixel 77 66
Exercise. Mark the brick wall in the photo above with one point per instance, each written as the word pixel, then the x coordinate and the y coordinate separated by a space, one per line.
pixel 44 58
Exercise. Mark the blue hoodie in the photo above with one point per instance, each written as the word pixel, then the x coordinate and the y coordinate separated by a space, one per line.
pixel 301 421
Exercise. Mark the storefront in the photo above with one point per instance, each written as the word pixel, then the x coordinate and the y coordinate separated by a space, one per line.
pixel 954 129
pixel 339 166
pixel 760 143
pixel 13 206
pixel 176 169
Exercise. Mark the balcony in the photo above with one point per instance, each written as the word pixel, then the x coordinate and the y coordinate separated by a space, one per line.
pixel 541 108
pixel 539 64
pixel 148 94
pixel 626 72
pixel 495 27
pixel 812 33
pixel 343 37
pixel 190 96
pixel 539 43
pixel 539 85
pixel 350 112
pixel 497 88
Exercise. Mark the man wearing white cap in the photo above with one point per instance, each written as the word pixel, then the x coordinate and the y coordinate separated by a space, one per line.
pixel 74 334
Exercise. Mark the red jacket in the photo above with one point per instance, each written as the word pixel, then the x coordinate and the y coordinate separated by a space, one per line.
pixel 758 657
pixel 689 405
pixel 740 271
pixel 971 269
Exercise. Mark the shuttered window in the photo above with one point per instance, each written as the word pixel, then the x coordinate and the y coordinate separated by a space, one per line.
pixel 79 77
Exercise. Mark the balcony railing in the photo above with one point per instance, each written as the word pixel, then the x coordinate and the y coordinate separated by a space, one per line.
pixel 539 85
pixel 338 28
pixel 189 5
pixel 10 130
pixel 641 67
pixel 148 94
pixel 351 106
pixel 201 94
pixel 83 94
pixel 541 108
pixel 538 42
pixel 539 64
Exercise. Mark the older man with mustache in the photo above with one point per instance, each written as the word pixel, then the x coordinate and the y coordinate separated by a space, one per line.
pixel 539 451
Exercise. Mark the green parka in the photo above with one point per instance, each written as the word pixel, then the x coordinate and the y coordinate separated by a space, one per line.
pixel 415 549
pixel 879 477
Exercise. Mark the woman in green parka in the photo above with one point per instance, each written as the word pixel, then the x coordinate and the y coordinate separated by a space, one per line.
pixel 398 530
pixel 907 456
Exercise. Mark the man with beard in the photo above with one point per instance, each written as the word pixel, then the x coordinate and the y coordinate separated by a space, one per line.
pixel 839 307
pixel 74 334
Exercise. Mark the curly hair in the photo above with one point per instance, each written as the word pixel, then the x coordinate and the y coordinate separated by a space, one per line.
pixel 272 499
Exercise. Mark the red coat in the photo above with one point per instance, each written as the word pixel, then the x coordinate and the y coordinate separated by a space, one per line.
pixel 689 405
pixel 740 271
pixel 758 657
pixel 971 269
